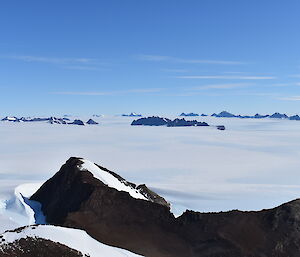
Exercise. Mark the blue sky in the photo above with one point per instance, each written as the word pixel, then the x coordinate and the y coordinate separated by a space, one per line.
pixel 152 57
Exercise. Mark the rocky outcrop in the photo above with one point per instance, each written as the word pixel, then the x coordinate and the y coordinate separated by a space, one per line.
pixel 73 197
pixel 220 127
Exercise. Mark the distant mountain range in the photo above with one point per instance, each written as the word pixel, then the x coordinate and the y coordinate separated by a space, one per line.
pixel 154 121
pixel 51 120
pixel 225 114
pixel 191 114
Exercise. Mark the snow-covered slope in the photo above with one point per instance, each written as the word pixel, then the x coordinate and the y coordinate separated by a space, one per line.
pixel 73 238
pixel 110 180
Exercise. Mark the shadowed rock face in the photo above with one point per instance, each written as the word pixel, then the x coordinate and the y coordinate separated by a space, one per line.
pixel 75 198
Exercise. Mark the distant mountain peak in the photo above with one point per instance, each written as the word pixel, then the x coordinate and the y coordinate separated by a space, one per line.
pixel 133 114
pixel 92 122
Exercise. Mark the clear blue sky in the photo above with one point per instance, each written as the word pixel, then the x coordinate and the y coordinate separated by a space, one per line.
pixel 152 57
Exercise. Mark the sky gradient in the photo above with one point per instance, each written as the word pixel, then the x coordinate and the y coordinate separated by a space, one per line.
pixel 151 57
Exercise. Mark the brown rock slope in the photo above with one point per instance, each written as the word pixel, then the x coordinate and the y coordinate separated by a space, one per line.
pixel 74 198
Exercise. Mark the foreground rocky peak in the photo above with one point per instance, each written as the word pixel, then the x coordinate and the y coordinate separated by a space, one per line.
pixel 75 197
pixel 80 170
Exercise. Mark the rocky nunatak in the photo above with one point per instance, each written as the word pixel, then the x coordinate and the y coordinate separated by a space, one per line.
pixel 73 197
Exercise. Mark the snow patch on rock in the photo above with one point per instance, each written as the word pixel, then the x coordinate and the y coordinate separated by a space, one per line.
pixel 110 180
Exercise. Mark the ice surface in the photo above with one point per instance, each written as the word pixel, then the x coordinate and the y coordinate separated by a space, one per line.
pixel 253 164
pixel 18 210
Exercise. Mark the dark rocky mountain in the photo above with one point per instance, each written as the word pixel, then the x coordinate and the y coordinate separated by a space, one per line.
pixel 225 114
pixel 77 122
pixel 73 197
pixel 191 114
pixel 151 121
pixel 92 122
pixel 295 117
pixel 204 115
pixel 157 121
pixel 278 115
